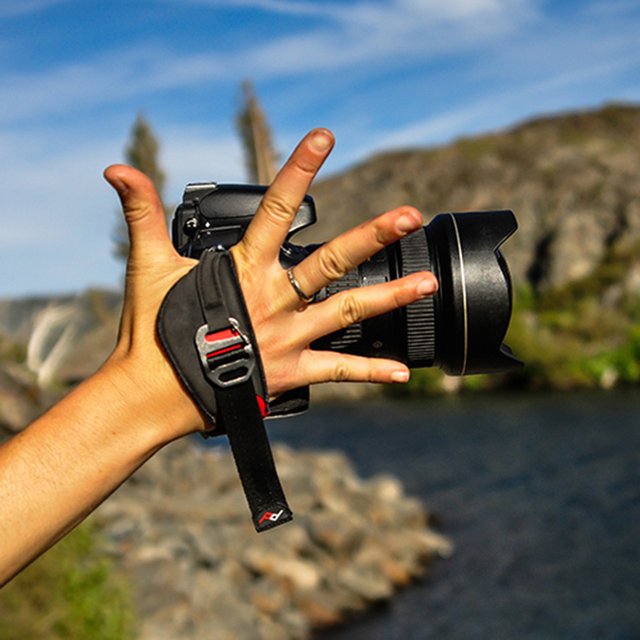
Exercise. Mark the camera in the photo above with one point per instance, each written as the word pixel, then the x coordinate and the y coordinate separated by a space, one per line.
pixel 459 329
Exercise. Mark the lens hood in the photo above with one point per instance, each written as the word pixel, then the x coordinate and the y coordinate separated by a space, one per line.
pixel 472 307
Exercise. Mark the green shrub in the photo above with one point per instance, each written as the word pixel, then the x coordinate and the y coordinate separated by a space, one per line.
pixel 565 337
pixel 72 592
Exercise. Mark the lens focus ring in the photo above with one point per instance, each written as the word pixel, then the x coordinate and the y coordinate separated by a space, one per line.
pixel 421 335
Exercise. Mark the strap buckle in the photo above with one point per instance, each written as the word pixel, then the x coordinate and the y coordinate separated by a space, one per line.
pixel 226 355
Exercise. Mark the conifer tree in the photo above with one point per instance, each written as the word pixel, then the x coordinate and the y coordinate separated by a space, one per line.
pixel 260 157
pixel 141 153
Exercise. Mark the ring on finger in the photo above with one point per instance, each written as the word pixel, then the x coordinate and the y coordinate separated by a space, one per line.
pixel 297 288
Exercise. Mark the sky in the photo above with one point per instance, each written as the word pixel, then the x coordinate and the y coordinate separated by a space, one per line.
pixel 381 74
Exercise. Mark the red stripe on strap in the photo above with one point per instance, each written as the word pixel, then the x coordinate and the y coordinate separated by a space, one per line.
pixel 262 405
pixel 225 334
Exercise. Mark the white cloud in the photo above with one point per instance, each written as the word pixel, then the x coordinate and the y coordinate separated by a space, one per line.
pixel 492 111
pixel 370 12
pixel 14 8
pixel 55 203
pixel 196 154
pixel 58 215
pixel 610 8
pixel 398 25
pixel 110 78
pixel 362 33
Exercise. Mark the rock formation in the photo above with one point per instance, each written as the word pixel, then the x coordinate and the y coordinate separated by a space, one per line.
pixel 180 529
pixel 572 180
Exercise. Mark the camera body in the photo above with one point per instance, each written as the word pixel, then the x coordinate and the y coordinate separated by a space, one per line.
pixel 460 329
pixel 213 215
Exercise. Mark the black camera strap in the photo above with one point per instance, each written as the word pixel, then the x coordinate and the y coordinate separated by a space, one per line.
pixel 206 332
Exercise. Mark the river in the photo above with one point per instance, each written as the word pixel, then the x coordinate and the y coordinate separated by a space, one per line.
pixel 540 495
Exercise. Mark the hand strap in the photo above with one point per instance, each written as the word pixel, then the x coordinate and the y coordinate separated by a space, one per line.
pixel 205 329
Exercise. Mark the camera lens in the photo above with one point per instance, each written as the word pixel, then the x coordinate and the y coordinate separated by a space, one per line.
pixel 459 329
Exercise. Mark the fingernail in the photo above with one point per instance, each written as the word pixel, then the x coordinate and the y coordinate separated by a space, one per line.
pixel 400 376
pixel 426 287
pixel 321 141
pixel 408 222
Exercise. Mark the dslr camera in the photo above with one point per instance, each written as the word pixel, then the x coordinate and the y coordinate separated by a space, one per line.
pixel 459 329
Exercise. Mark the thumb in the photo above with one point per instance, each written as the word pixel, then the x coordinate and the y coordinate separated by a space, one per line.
pixel 143 210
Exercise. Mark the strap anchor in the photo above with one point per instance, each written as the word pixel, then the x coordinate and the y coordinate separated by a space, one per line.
pixel 227 355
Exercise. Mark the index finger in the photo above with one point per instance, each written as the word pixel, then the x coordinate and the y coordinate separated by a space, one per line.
pixel 278 208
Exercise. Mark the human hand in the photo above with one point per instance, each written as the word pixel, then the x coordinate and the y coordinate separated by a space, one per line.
pixel 283 326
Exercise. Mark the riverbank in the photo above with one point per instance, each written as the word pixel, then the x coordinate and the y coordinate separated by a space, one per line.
pixel 180 530
pixel 539 494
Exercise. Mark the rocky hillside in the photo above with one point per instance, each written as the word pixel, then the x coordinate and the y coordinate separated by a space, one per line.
pixel 572 180
pixel 47 344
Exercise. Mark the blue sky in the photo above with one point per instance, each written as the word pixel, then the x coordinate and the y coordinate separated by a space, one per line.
pixel 381 74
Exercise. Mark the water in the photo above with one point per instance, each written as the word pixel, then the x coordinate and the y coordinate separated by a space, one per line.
pixel 540 495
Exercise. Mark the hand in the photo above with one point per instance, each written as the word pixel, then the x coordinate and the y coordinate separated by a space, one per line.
pixel 284 327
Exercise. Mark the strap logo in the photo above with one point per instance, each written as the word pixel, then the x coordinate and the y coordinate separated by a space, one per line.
pixel 273 517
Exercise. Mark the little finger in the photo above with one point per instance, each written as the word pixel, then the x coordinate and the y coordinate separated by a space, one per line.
pixel 327 366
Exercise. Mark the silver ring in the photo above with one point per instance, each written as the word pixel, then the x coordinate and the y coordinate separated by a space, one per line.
pixel 296 287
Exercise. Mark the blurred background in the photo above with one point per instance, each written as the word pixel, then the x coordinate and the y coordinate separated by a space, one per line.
pixel 463 105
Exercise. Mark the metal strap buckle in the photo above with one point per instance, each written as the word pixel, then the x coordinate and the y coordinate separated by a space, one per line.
pixel 226 355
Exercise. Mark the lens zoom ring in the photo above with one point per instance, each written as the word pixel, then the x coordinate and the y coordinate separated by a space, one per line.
pixel 353 333
pixel 421 336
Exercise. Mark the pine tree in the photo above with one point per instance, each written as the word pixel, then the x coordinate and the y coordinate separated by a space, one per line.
pixel 260 157
pixel 141 153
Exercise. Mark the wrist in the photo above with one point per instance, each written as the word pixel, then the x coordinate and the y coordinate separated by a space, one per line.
pixel 150 397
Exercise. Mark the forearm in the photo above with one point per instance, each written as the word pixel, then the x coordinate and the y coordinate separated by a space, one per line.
pixel 68 461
